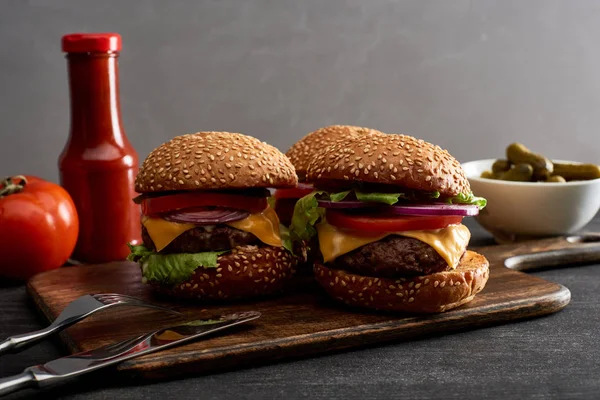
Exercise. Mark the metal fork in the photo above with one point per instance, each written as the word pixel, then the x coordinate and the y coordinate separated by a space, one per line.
pixel 74 312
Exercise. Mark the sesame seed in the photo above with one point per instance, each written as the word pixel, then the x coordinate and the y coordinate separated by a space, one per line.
pixel 436 283
pixel 443 284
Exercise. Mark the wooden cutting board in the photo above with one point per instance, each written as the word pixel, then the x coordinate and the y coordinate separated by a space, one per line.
pixel 303 322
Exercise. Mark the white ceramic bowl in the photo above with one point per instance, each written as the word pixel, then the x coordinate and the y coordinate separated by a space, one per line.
pixel 532 209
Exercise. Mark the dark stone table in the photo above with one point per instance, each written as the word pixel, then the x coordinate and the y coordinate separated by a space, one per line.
pixel 555 357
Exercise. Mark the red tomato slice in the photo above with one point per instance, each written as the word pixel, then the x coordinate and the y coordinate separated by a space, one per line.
pixel 294 193
pixel 387 223
pixel 161 204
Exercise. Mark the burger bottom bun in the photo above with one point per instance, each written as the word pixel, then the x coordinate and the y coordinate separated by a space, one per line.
pixel 433 293
pixel 244 272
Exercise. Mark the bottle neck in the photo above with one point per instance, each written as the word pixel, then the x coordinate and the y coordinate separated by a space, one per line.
pixel 94 95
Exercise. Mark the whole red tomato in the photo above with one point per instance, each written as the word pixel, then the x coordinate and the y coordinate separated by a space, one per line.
pixel 38 226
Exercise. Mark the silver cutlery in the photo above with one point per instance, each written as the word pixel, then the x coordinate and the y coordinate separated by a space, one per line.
pixel 64 368
pixel 74 312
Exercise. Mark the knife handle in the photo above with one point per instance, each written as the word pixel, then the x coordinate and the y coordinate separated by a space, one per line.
pixel 17 382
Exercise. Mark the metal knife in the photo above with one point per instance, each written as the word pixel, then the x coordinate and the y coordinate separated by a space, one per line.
pixel 67 367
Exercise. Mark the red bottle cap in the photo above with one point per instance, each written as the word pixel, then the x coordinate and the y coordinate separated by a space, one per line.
pixel 91 42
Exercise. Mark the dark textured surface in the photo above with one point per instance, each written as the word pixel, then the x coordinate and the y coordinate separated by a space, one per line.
pixel 551 357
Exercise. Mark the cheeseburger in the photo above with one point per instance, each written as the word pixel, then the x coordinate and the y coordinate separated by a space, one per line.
pixel 208 230
pixel 388 211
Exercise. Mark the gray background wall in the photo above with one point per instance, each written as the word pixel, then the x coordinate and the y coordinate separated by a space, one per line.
pixel 471 76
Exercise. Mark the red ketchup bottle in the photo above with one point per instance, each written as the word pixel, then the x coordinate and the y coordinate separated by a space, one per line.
pixel 98 164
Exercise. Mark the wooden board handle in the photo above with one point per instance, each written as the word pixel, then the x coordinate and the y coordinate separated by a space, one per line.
pixel 547 253
pixel 554 258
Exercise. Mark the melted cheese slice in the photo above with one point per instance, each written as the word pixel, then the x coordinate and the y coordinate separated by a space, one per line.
pixel 163 232
pixel 449 242
pixel 265 226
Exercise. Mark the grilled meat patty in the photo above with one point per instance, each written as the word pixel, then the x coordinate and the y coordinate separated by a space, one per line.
pixel 392 256
pixel 199 239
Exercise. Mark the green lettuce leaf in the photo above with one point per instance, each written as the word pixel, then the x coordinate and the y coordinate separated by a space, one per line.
pixel 138 251
pixel 286 238
pixel 171 269
pixel 306 214
pixel 386 198
pixel 467 198
pixel 339 196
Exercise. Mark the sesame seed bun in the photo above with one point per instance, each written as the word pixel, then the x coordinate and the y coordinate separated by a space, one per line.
pixel 393 159
pixel 245 272
pixel 433 293
pixel 214 160
pixel 304 150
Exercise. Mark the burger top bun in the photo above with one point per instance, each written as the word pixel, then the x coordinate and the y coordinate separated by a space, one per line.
pixel 214 160
pixel 304 150
pixel 392 159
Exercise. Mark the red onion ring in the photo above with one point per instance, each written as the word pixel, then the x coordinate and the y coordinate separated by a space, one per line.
pixel 423 209
pixel 463 210
pixel 206 217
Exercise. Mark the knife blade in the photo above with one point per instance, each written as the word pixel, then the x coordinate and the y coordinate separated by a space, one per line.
pixel 67 367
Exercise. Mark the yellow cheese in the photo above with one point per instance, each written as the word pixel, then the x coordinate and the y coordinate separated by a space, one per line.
pixel 448 242
pixel 265 226
pixel 335 242
pixel 163 232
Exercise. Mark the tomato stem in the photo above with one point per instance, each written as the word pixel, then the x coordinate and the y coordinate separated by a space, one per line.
pixel 12 185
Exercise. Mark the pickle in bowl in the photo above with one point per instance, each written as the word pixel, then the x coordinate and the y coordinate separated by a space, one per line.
pixel 524 165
